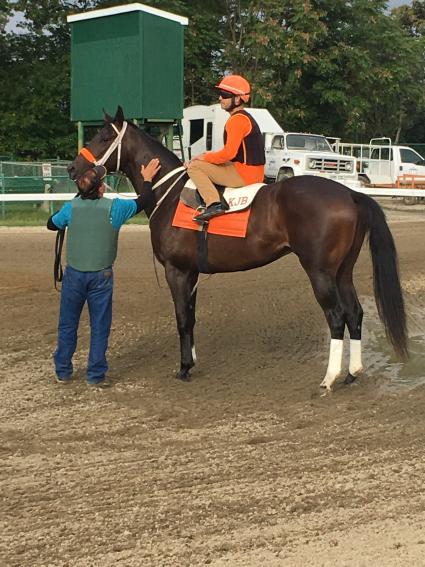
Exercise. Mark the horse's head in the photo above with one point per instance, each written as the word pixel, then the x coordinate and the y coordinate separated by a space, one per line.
pixel 98 150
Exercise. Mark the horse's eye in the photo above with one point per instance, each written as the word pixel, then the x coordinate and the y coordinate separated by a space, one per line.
pixel 106 136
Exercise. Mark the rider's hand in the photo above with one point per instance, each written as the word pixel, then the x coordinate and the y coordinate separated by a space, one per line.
pixel 149 171
pixel 200 157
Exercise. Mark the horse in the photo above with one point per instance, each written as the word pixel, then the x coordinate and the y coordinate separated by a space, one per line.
pixel 319 220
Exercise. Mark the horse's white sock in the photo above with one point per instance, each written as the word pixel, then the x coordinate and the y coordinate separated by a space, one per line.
pixel 335 363
pixel 356 366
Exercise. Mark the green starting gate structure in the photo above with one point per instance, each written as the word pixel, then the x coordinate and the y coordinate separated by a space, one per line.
pixel 131 56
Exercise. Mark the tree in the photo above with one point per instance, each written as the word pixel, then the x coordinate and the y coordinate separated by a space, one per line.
pixel 412 20
pixel 34 98
pixel 341 68
pixel 348 68
pixel 203 42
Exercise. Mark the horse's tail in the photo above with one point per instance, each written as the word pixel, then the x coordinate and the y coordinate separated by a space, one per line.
pixel 386 279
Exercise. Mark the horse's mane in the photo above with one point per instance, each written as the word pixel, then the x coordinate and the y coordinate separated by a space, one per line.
pixel 164 154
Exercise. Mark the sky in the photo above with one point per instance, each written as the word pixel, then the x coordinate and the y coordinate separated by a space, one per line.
pixel 394 3
pixel 11 26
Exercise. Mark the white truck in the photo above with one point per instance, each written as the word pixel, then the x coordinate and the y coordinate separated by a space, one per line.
pixel 381 164
pixel 297 153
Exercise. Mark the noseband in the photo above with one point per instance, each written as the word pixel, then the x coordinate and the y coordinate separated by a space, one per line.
pixel 116 145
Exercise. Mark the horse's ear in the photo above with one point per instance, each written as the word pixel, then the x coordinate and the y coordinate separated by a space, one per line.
pixel 119 116
pixel 108 119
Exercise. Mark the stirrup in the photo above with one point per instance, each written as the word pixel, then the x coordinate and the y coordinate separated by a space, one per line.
pixel 198 211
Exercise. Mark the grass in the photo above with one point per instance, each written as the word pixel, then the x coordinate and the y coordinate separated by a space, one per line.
pixel 25 214
pixel 30 214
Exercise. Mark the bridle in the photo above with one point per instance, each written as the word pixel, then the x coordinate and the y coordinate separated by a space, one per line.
pixel 116 145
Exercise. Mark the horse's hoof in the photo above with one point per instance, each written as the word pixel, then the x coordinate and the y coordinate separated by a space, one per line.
pixel 349 379
pixel 183 375
pixel 326 385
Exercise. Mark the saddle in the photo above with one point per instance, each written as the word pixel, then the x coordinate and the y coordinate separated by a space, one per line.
pixel 233 223
pixel 238 198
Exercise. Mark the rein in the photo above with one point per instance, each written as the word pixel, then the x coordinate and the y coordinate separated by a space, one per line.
pixel 181 169
pixel 168 176
pixel 57 268
pixel 116 145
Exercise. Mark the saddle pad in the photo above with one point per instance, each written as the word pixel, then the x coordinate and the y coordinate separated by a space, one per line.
pixel 230 224
pixel 238 198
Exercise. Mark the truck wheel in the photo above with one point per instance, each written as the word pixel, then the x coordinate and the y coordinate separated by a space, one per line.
pixel 284 174
pixel 410 200
pixel 364 180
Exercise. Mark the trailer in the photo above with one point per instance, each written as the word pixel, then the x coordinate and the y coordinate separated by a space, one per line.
pixel 203 127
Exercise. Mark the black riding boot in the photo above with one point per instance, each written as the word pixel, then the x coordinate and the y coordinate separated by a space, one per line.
pixel 214 210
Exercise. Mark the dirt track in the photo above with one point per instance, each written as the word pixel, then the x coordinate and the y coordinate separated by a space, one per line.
pixel 248 465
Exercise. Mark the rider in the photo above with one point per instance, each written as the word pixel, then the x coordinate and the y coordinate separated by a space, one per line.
pixel 93 225
pixel 241 161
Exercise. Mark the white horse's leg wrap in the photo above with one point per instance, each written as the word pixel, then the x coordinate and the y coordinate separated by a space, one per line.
pixel 335 363
pixel 356 366
pixel 194 353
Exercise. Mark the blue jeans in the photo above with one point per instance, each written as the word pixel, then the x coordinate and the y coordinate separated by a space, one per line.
pixel 78 287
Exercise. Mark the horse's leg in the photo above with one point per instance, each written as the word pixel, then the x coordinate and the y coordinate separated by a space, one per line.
pixel 192 313
pixel 326 292
pixel 352 309
pixel 182 286
pixel 353 318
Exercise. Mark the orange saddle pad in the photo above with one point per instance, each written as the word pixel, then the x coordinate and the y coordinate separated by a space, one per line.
pixel 230 224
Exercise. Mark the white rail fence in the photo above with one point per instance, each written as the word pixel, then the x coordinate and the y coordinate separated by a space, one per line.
pixel 34 197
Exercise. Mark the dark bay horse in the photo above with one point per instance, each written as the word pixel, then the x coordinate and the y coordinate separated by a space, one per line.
pixel 322 222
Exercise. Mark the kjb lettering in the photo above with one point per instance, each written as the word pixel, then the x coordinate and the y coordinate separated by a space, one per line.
pixel 237 202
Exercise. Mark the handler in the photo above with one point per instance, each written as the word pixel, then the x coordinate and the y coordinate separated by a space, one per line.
pixel 241 161
pixel 93 226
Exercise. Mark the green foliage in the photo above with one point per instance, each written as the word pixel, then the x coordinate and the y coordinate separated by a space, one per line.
pixel 412 19
pixel 340 68
pixel 34 94
pixel 203 43
pixel 346 68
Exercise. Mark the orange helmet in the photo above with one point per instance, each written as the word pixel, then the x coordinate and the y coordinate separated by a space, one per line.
pixel 236 85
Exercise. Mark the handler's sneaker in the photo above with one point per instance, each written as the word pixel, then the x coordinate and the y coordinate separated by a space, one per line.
pixel 60 380
pixel 102 384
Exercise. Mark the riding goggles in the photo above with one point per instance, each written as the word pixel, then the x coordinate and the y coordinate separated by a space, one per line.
pixel 225 94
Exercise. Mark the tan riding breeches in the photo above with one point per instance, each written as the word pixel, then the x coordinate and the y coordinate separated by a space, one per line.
pixel 205 174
